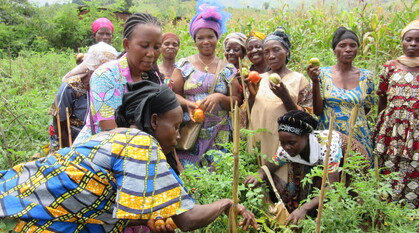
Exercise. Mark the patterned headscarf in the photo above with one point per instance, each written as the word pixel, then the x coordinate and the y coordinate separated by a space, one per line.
pixel 238 37
pixel 280 36
pixel 209 15
pixel 297 122
pixel 100 23
pixel 343 33
pixel 414 25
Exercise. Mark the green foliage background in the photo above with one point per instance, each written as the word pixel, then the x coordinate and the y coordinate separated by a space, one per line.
pixel 38 46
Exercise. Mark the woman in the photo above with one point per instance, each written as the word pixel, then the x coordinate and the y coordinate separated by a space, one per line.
pixel 113 177
pixel 340 87
pixel 303 148
pixel 396 136
pixel 169 48
pixel 195 76
pixel 102 29
pixel 267 100
pixel 72 95
pixel 142 42
pixel 235 48
pixel 254 48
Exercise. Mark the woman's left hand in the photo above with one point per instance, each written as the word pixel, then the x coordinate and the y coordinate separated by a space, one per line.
pixel 279 89
pixel 209 103
pixel 296 216
pixel 248 218
pixel 166 228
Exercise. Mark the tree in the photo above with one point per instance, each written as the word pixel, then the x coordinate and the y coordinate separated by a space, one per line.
pixel 265 5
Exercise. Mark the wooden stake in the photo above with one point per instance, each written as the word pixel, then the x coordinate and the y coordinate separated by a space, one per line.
pixel 325 172
pixel 352 121
pixel 70 140
pixel 236 145
pixel 246 98
pixel 57 116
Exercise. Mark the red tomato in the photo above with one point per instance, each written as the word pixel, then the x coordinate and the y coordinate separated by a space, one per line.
pixel 254 77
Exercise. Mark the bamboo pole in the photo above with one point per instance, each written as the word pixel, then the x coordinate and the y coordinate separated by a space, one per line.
pixel 325 172
pixel 57 116
pixel 246 97
pixel 236 145
pixel 352 121
pixel 70 140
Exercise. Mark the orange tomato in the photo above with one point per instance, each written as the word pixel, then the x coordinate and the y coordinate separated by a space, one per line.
pixel 159 223
pixel 170 222
pixel 198 115
pixel 254 77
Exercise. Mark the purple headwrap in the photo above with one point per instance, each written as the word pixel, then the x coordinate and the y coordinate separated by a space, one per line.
pixel 100 23
pixel 209 16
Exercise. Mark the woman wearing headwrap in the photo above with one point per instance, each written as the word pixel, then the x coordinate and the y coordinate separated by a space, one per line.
pixel 267 100
pixel 102 29
pixel 113 177
pixel 254 48
pixel 235 48
pixel 303 147
pixel 340 87
pixel 169 48
pixel 142 42
pixel 196 75
pixel 72 94
pixel 397 133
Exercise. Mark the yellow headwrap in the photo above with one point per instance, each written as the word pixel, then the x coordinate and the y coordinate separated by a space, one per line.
pixel 256 34
pixel 411 26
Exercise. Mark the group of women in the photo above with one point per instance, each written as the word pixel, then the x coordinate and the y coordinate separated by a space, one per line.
pixel 123 169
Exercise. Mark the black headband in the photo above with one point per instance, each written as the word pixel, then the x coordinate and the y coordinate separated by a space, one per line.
pixel 341 34
pixel 142 100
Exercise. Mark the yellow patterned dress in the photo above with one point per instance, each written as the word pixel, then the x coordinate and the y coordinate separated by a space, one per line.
pixel 94 187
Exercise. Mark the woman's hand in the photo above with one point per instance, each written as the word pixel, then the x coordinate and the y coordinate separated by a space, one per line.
pixel 280 90
pixel 248 218
pixel 313 72
pixel 190 106
pixel 296 216
pixel 166 228
pixel 252 180
pixel 210 102
pixel 252 87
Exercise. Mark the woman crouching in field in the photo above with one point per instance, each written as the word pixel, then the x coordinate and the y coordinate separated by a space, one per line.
pixel 303 147
pixel 111 178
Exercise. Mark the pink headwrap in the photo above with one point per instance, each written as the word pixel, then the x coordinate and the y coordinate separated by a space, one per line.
pixel 203 23
pixel 100 23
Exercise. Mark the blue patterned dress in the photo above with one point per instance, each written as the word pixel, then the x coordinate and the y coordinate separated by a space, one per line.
pixel 342 101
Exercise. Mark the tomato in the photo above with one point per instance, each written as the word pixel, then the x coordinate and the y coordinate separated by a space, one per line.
pixel 275 78
pixel 170 222
pixel 245 71
pixel 198 115
pixel 254 77
pixel 159 223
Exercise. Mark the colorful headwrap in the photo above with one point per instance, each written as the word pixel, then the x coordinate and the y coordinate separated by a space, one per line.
pixel 256 35
pixel 238 37
pixel 209 15
pixel 414 25
pixel 343 33
pixel 100 23
pixel 97 55
pixel 297 122
pixel 168 35
pixel 280 36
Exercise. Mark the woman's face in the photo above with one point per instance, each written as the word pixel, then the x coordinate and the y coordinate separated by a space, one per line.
pixel 275 54
pixel 143 47
pixel 206 41
pixel 346 50
pixel 166 128
pixel 234 52
pixel 411 43
pixel 293 144
pixel 103 34
pixel 255 51
pixel 169 48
